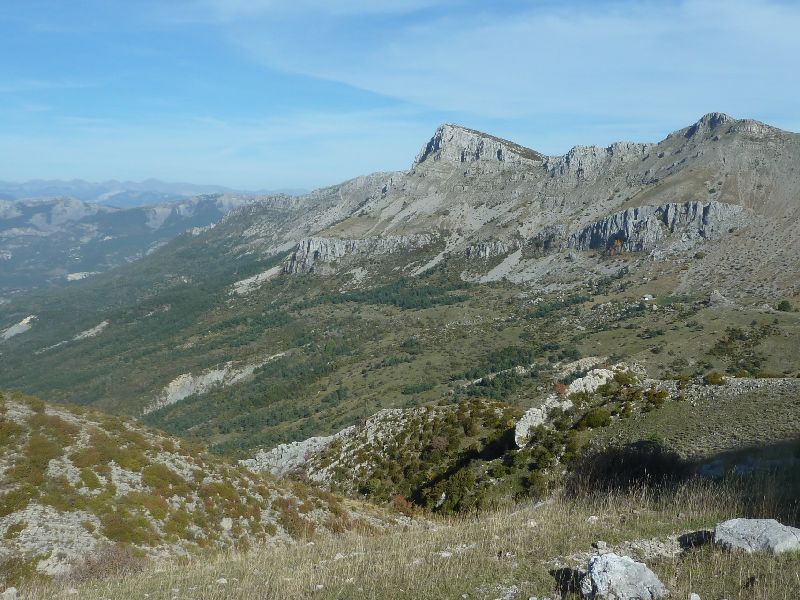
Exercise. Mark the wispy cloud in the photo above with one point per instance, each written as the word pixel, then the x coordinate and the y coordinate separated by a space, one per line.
pixel 297 148
pixel 606 59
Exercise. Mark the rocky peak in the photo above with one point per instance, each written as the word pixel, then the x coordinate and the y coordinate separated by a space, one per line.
pixel 708 123
pixel 457 144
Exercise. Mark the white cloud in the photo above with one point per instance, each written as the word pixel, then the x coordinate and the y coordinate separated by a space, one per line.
pixel 605 60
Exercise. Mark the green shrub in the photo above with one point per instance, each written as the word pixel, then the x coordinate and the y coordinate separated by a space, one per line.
pixel 14 530
pixel 89 479
pixel 714 378
pixel 597 417
pixel 131 528
pixel 164 480
pixel 784 306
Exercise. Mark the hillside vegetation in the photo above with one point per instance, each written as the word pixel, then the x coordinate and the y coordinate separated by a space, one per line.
pixel 78 484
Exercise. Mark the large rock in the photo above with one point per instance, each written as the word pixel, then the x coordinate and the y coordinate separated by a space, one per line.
pixel 612 577
pixel 757 535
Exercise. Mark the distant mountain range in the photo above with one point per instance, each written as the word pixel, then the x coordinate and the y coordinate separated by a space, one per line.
pixel 120 194
pixel 57 240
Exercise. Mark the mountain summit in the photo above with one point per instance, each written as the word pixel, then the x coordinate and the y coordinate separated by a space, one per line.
pixel 454 143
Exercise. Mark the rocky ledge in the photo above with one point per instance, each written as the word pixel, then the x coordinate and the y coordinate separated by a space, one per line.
pixel 315 250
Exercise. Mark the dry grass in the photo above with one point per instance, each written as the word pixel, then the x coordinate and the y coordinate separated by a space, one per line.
pixel 470 558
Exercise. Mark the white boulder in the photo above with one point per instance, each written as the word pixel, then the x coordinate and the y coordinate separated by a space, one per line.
pixel 757 535
pixel 612 577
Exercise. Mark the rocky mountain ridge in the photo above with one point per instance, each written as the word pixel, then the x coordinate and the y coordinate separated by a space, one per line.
pixel 479 195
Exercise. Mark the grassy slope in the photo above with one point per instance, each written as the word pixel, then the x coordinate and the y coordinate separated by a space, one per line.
pixel 487 555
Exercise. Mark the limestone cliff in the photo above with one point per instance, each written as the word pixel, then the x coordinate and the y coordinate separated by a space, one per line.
pixel 644 227
pixel 311 251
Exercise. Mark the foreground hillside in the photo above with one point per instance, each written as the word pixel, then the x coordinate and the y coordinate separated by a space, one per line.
pixel 532 551
pixel 79 486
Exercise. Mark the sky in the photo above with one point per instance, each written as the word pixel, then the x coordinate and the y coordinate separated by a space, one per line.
pixel 267 94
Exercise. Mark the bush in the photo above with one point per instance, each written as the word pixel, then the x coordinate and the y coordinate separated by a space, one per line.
pixel 784 306
pixel 714 378
pixel 597 417
pixel 109 560
pixel 164 480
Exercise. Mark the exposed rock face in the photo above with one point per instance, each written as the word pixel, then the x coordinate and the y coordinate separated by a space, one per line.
pixel 594 379
pixel 708 124
pixel 757 535
pixel 456 144
pixel 245 286
pixel 612 577
pixel 534 417
pixel 311 251
pixel 17 328
pixel 187 384
pixel 586 163
pixel 490 249
pixel 60 536
pixel 642 228
pixel 285 458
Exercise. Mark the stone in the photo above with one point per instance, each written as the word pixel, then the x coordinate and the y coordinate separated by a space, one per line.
pixel 612 577
pixel 9 594
pixel 757 535
pixel 694 596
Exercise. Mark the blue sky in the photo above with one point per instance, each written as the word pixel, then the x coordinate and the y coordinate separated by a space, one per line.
pixel 301 93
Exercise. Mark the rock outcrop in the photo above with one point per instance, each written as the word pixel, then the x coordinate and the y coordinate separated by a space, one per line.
pixel 586 163
pixel 757 535
pixel 489 249
pixel 285 458
pixel 455 144
pixel 534 417
pixel 18 328
pixel 644 227
pixel 537 416
pixel 612 577
pixel 187 384
pixel 311 251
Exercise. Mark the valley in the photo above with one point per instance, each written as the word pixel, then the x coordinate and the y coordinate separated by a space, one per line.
pixel 448 348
